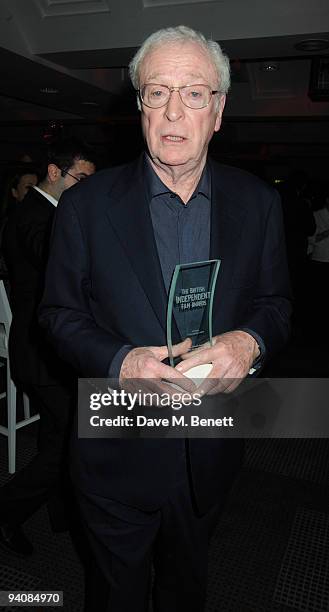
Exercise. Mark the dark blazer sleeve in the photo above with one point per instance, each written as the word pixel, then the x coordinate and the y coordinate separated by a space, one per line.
pixel 65 311
pixel 269 310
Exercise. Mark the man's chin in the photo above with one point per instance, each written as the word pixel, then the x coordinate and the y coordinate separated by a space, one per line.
pixel 171 160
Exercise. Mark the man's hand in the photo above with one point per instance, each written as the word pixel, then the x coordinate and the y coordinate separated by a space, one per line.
pixel 232 356
pixel 146 363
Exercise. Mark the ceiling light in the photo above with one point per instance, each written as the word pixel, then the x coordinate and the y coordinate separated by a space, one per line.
pixel 89 103
pixel 269 66
pixel 312 44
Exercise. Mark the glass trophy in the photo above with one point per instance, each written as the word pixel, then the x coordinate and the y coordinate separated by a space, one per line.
pixel 190 303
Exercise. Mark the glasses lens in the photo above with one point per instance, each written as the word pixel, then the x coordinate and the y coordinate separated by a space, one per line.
pixel 196 96
pixel 155 95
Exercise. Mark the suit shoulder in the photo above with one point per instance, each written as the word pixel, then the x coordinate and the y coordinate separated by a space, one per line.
pixel 34 206
pixel 35 200
pixel 97 186
pixel 105 178
pixel 240 182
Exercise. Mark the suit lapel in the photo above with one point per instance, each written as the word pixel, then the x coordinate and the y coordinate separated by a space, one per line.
pixel 129 215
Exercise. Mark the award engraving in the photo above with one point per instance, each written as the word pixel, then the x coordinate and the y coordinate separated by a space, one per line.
pixel 190 303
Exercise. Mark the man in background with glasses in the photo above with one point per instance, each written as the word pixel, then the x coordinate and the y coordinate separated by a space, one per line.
pixel 34 366
pixel 110 267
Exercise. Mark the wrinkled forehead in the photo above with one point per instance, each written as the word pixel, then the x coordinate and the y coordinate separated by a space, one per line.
pixel 185 60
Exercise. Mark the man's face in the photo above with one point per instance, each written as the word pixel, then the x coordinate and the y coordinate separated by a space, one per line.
pixel 80 170
pixel 24 184
pixel 175 134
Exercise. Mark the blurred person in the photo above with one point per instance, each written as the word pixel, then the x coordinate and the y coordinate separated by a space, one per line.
pixel 299 224
pixel 17 188
pixel 34 366
pixel 319 246
pixel 22 183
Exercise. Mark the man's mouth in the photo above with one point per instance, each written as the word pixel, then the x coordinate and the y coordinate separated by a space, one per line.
pixel 172 138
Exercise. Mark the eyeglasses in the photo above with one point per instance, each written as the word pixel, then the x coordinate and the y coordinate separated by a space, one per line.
pixel 193 96
pixel 77 178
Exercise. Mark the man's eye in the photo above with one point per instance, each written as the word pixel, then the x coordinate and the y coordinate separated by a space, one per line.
pixel 194 93
pixel 157 93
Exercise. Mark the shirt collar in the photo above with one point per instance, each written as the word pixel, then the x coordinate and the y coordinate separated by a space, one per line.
pixel 155 187
pixel 46 195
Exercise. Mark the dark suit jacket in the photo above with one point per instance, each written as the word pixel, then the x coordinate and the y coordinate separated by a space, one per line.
pixel 104 289
pixel 25 244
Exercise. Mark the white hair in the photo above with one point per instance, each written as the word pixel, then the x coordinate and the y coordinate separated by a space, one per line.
pixel 181 34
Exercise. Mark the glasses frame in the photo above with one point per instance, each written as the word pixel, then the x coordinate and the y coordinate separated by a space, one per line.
pixel 77 178
pixel 171 89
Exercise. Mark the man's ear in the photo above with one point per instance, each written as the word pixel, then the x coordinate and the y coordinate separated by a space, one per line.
pixel 54 173
pixel 221 105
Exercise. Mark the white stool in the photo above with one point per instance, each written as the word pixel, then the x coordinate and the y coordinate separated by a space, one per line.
pixel 10 393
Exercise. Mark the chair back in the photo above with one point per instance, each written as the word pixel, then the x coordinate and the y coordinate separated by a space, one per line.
pixel 5 320
pixel 5 310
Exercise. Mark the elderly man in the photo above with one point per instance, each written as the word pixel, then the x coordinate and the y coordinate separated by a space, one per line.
pixel 105 310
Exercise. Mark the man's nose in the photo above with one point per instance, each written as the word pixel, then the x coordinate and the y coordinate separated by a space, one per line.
pixel 174 107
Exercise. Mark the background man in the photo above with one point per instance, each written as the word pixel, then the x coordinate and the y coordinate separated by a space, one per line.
pixel 34 366
pixel 105 308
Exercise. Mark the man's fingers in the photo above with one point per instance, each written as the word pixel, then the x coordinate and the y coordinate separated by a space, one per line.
pixel 161 352
pixel 162 372
pixel 199 349
pixel 158 386
pixel 193 359
pixel 182 347
pixel 180 382
pixel 145 364
pixel 207 385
